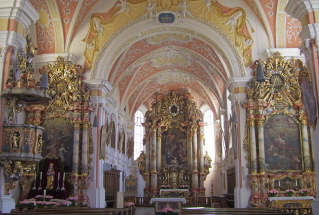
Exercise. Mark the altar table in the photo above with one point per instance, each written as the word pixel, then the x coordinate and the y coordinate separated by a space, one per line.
pixel 303 203
pixel 174 203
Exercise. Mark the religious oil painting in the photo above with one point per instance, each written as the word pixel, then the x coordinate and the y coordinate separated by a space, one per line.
pixel 58 141
pixel 174 147
pixel 282 144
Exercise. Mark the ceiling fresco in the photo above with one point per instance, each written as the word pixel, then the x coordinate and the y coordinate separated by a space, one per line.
pixel 160 58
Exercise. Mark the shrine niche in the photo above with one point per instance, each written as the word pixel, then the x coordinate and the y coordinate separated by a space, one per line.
pixel 278 139
pixel 173 133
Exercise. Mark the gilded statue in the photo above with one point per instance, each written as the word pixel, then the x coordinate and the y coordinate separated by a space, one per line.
pixel 15 140
pixel 50 177
pixel 141 162
pixel 207 162
pixel 11 78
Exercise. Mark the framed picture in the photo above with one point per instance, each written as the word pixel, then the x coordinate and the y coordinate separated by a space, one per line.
pixel 282 144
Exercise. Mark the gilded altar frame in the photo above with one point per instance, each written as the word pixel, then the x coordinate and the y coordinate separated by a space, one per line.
pixel 278 140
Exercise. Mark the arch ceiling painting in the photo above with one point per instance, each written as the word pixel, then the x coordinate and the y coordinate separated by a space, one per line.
pixel 138 55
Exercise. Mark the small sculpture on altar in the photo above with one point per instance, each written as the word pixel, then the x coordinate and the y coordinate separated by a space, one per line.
pixel 50 177
pixel 40 143
pixel 11 78
pixel 207 162
pixel 141 162
pixel 15 140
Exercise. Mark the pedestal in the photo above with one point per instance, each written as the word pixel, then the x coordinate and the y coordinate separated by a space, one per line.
pixel 7 203
pixel 119 200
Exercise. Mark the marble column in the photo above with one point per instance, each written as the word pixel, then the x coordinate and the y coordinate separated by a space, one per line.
pixel 305 145
pixel 153 160
pixel 159 150
pixel 261 146
pixel 76 141
pixel 85 149
pixel 195 158
pixel 201 145
pixel 253 148
pixel 189 150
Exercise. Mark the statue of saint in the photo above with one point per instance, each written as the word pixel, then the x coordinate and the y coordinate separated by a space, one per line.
pixel 141 162
pixel 15 140
pixel 207 162
pixel 50 177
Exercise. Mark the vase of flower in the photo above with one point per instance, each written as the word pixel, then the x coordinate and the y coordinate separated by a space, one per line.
pixel 273 192
pixel 304 192
pixel 289 192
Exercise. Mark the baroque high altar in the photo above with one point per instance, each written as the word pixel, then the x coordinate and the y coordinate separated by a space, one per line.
pixel 174 139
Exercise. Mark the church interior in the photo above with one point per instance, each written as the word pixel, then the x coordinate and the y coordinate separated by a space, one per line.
pixel 169 104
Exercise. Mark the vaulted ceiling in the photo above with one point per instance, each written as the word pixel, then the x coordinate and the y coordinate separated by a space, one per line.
pixel 153 57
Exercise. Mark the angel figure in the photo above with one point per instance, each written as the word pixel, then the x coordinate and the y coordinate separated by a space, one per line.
pixel 150 8
pixel 98 26
pixel 183 8
pixel 123 6
pixel 208 3
pixel 233 20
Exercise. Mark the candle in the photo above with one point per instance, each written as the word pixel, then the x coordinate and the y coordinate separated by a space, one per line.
pixel 40 176
pixel 58 176
pixel 44 193
pixel 63 176
pixel 296 183
pixel 279 183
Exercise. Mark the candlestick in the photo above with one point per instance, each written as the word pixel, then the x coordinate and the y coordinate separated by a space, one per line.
pixel 35 182
pixel 62 188
pixel 58 187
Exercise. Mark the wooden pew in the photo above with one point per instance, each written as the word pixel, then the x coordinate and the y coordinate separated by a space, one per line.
pixel 79 210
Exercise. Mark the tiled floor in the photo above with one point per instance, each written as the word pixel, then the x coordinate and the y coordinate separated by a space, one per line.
pixel 145 211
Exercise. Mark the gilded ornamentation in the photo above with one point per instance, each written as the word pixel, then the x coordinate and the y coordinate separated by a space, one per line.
pixel 277 124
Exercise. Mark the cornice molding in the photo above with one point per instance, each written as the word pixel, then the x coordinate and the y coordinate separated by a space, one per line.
pixel 288 53
pixel 20 10
pixel 299 8
pixel 11 38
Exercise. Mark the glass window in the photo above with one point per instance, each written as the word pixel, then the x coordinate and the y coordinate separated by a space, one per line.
pixel 209 134
pixel 138 133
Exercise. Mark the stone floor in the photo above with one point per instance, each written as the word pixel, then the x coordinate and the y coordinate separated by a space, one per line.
pixel 145 211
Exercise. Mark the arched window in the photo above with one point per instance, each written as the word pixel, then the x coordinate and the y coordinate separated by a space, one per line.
pixel 209 133
pixel 138 133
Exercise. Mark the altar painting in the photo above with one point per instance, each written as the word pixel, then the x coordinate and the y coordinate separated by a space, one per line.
pixel 174 147
pixel 282 144
pixel 58 141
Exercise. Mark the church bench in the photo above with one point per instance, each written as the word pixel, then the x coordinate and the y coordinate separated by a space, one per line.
pixel 78 210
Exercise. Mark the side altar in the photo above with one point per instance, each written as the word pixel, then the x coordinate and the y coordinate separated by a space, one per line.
pixel 302 204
